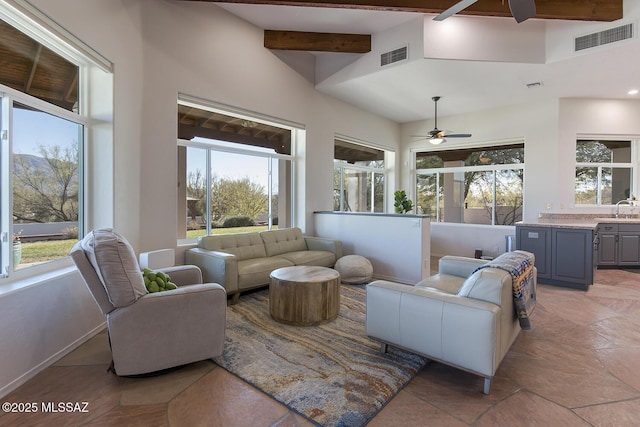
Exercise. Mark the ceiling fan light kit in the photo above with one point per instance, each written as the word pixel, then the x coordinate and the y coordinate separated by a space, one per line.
pixel 437 136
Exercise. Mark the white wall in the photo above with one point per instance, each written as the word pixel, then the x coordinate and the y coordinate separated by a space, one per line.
pixel 160 48
pixel 549 130
pixel 536 124
pixel 43 322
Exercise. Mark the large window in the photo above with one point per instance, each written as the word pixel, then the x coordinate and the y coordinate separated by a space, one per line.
pixel 471 186
pixel 43 81
pixel 236 172
pixel 604 171
pixel 359 178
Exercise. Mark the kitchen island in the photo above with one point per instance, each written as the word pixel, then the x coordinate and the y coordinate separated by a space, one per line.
pixel 569 247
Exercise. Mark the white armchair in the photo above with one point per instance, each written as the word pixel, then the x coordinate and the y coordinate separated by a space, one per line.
pixel 150 331
pixel 455 317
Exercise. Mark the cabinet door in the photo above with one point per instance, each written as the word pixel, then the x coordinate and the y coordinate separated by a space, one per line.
pixel 572 255
pixel 536 240
pixel 629 249
pixel 608 249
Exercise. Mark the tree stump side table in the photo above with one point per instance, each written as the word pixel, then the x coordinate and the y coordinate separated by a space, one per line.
pixel 304 295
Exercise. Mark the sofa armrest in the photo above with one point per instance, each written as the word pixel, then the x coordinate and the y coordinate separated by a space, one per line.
pixel 217 267
pixel 459 266
pixel 183 275
pixel 324 244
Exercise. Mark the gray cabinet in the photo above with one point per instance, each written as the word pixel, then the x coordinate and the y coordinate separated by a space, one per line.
pixel 564 256
pixel 618 245
pixel 607 244
pixel 536 240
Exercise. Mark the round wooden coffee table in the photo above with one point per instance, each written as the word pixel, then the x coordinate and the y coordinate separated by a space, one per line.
pixel 304 295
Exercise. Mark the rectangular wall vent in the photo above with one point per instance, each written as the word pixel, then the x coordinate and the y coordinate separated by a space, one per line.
pixel 611 35
pixel 395 55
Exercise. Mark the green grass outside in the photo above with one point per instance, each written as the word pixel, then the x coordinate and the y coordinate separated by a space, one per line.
pixel 49 250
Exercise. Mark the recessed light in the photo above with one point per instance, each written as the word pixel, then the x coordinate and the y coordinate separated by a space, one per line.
pixel 633 92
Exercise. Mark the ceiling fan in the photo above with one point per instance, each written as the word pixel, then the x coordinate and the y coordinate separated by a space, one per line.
pixel 520 9
pixel 437 136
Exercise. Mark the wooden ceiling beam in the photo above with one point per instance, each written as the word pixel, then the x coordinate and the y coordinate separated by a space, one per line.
pixel 317 42
pixel 575 10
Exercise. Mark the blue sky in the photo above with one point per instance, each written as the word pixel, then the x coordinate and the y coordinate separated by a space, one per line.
pixel 34 128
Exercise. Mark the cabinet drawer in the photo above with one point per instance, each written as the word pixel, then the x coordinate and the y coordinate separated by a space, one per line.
pixel 633 228
pixel 608 228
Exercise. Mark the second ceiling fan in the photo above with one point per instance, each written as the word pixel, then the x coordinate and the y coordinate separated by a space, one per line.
pixel 520 9
pixel 437 136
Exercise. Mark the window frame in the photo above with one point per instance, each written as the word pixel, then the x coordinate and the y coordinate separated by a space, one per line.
pixel 340 166
pixel 241 149
pixel 463 169
pixel 632 166
pixel 95 78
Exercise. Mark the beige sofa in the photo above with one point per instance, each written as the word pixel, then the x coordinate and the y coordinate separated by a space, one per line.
pixel 244 261
pixel 460 317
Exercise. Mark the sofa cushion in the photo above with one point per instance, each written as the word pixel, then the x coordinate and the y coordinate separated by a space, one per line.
pixel 443 282
pixel 115 262
pixel 242 245
pixel 317 258
pixel 256 271
pixel 277 242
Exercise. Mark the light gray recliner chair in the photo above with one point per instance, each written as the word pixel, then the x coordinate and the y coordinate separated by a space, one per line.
pixel 460 317
pixel 150 332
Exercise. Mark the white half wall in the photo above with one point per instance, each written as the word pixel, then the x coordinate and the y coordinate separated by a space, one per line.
pixel 398 246
pixel 463 239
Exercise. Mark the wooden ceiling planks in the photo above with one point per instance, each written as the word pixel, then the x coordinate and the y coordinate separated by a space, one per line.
pixel 575 10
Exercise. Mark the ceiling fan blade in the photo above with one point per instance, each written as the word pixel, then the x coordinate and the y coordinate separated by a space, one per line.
pixel 522 9
pixel 458 135
pixel 463 4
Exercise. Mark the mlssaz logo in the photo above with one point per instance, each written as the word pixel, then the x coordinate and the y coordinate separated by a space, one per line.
pixel 65 407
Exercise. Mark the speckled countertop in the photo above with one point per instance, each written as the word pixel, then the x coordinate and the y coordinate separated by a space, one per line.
pixel 583 221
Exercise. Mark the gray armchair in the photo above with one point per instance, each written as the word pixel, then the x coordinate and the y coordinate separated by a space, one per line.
pixel 149 332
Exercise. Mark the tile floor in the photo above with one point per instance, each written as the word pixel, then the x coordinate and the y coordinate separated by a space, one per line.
pixel 578 366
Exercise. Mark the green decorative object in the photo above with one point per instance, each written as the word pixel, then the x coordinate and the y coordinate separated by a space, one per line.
pixel 157 281
pixel 402 204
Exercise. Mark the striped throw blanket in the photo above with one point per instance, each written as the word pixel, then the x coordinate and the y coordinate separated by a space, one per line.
pixel 520 265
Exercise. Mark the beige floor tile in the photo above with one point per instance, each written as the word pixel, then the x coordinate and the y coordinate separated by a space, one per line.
pixel 624 363
pixel 527 409
pixel 94 352
pixel 221 399
pixel 163 388
pixel 618 414
pixel 408 410
pixel 133 416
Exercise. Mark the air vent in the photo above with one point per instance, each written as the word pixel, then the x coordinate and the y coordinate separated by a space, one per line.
pixel 396 55
pixel 611 35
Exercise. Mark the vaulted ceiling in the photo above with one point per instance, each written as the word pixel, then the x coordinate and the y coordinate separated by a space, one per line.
pixel 322 31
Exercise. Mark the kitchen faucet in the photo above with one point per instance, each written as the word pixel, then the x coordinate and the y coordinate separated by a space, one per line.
pixel 629 202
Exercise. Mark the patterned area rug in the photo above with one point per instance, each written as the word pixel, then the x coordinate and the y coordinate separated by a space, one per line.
pixel 332 374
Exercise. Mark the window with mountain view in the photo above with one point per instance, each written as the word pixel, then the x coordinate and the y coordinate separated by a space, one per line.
pixel 471 186
pixel 43 137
